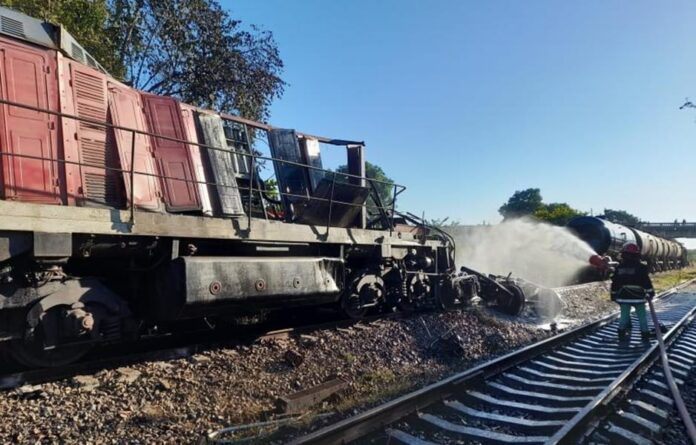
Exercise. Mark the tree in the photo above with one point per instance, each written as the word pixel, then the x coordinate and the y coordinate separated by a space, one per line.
pixel 86 20
pixel 522 203
pixel 190 49
pixel 385 189
pixel 193 50
pixel 529 202
pixel 557 213
pixel 443 222
pixel 620 217
pixel 271 188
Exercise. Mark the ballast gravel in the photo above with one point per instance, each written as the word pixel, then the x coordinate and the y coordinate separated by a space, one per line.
pixel 586 302
pixel 675 431
pixel 179 401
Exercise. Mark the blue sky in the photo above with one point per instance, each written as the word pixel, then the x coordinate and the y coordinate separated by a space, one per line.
pixel 466 102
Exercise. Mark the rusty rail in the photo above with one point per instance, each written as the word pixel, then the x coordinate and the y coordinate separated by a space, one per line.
pixel 358 426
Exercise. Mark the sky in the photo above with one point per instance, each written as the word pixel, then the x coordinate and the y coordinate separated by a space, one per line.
pixel 466 102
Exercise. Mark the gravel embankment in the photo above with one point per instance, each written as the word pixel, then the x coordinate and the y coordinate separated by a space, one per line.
pixel 675 432
pixel 177 401
pixel 587 302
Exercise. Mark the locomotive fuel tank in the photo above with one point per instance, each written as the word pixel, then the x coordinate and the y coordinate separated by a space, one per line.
pixel 190 287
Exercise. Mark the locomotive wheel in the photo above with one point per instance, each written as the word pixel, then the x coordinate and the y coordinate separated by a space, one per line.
pixel 366 290
pixel 352 307
pixel 32 351
pixel 416 291
pixel 33 355
pixel 449 296
pixel 512 305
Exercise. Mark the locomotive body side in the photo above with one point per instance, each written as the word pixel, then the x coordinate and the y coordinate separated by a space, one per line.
pixel 113 221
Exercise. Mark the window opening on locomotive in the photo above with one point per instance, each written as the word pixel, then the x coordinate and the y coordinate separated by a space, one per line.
pixel 380 197
pixel 264 194
pixel 323 177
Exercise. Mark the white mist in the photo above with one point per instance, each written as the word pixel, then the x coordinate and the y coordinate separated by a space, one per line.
pixel 539 252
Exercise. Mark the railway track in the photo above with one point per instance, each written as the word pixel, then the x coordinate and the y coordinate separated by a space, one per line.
pixel 556 391
pixel 646 408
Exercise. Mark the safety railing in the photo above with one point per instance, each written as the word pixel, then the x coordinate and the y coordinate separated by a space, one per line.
pixel 386 211
pixel 668 225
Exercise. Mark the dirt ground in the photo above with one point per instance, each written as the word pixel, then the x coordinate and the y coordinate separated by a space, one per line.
pixel 179 401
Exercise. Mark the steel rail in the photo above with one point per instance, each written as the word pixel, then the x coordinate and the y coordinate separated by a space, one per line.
pixel 576 426
pixel 355 427
pixel 676 395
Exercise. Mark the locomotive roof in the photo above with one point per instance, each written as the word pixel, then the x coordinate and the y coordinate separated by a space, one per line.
pixel 29 29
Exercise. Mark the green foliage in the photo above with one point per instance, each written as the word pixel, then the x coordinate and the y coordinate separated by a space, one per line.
pixel 443 222
pixel 557 213
pixel 189 49
pixel 620 217
pixel 271 188
pixel 530 203
pixel 385 189
pixel 194 50
pixel 522 203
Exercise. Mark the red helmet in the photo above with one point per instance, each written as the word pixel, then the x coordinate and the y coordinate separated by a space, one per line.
pixel 631 249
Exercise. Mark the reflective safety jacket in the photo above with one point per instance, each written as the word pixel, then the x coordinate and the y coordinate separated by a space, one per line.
pixel 631 284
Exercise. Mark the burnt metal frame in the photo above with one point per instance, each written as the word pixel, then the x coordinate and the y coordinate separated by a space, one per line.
pixel 355 427
pixel 131 171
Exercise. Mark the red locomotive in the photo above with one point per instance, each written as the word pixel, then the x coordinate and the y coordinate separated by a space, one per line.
pixel 123 210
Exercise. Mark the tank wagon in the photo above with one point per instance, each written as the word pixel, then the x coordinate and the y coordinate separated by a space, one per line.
pixel 607 238
pixel 123 211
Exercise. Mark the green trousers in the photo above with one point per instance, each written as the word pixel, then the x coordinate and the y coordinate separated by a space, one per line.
pixel 625 320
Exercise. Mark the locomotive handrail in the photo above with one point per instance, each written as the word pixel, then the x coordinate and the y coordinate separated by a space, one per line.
pixel 198 144
pixel 262 126
pixel 256 189
pixel 132 172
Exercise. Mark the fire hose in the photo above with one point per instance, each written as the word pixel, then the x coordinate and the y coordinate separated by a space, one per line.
pixel 605 263
pixel 683 413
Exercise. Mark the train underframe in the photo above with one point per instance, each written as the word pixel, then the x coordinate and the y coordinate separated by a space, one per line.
pixel 123 211
pixel 62 294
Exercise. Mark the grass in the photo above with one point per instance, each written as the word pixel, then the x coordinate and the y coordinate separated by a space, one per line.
pixel 371 387
pixel 691 255
pixel 666 280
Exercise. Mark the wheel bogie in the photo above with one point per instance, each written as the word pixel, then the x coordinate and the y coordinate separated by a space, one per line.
pixel 103 294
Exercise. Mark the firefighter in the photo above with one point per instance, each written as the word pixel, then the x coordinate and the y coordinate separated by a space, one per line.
pixel 630 286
